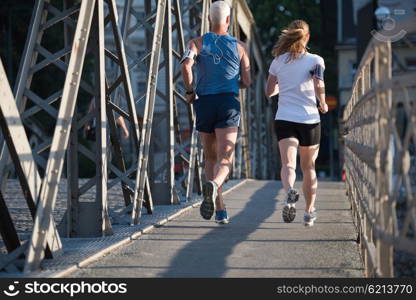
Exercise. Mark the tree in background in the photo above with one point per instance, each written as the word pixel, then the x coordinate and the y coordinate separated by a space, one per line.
pixel 14 20
pixel 274 15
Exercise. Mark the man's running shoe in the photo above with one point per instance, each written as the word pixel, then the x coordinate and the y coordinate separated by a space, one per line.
pixel 209 193
pixel 289 210
pixel 309 218
pixel 221 217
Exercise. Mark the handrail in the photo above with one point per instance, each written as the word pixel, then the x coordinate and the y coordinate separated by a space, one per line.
pixel 380 156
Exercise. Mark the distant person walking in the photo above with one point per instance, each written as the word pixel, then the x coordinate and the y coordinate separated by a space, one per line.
pixel 222 68
pixel 90 127
pixel 297 76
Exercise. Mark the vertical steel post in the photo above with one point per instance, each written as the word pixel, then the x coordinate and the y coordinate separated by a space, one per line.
pixel 53 170
pixel 162 161
pixel 148 112
pixel 101 128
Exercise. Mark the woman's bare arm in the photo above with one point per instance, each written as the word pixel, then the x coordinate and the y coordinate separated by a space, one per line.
pixel 319 86
pixel 271 87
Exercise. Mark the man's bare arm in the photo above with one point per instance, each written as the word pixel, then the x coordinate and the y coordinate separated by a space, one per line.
pixel 245 75
pixel 187 62
pixel 186 68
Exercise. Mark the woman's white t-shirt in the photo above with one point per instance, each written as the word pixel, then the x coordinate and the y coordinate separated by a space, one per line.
pixel 297 101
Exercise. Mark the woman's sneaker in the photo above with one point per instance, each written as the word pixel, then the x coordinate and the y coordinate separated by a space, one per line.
pixel 221 217
pixel 309 218
pixel 289 210
pixel 209 192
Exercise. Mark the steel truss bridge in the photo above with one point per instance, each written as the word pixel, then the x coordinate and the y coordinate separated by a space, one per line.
pixel 162 163
pixel 123 61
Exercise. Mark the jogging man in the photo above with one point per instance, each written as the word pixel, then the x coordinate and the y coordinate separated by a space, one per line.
pixel 222 68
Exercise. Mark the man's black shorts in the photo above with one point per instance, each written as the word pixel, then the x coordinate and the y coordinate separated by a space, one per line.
pixel 217 111
pixel 307 134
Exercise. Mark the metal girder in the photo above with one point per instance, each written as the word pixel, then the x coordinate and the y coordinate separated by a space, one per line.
pixel 256 148
pixel 7 229
pixel 44 17
pixel 83 218
pixel 162 160
pixel 185 148
pixel 60 139
pixel 195 16
pixel 148 110
pixel 166 115
pixel 132 115
pixel 242 154
pixel 80 213
pixel 101 121
pixel 38 17
pixel 25 166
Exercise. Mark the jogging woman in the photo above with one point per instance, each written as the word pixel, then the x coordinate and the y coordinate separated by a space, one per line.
pixel 297 76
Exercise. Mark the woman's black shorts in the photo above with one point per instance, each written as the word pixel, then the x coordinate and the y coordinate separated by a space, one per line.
pixel 307 134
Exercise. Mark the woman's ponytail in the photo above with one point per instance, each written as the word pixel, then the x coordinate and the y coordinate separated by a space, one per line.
pixel 292 40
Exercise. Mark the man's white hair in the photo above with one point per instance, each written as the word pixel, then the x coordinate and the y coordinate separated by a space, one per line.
pixel 219 12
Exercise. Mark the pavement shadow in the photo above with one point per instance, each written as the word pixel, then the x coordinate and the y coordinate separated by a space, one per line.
pixel 207 255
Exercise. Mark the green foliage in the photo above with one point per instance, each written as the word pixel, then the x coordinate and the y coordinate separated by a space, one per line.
pixel 14 20
pixel 274 15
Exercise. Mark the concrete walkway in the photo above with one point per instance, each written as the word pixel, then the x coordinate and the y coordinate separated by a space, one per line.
pixel 256 243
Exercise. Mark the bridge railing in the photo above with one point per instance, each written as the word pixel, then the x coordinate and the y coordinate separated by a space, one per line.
pixel 380 155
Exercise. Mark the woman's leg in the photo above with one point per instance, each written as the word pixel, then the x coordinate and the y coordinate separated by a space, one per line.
pixel 308 155
pixel 288 150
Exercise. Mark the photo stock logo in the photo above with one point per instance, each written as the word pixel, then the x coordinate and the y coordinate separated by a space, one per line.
pixel 12 290
pixel 65 288
pixel 387 25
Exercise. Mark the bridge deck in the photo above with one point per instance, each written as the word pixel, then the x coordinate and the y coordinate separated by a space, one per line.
pixel 256 243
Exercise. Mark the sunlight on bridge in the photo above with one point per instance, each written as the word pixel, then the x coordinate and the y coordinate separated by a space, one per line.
pixel 74 188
